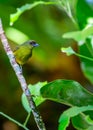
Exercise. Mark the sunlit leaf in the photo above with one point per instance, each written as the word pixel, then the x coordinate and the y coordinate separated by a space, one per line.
pixel 69 51
pixel 71 112
pixel 35 91
pixel 76 35
pixel 15 16
pixel 16 35
pixel 85 50
pixel 80 35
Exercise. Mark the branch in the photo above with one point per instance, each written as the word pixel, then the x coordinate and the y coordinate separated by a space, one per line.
pixel 21 79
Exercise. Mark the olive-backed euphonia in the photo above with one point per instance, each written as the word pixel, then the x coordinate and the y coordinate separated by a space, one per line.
pixel 24 51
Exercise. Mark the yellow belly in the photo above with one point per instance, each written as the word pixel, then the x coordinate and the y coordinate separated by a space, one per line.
pixel 22 54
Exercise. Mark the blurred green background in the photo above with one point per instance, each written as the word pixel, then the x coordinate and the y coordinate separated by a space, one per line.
pixel 45 24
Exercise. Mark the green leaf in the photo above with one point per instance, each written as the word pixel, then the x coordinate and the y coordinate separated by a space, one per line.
pixel 83 12
pixel 35 91
pixel 86 65
pixel 67 92
pixel 14 17
pixel 71 93
pixel 64 123
pixel 76 35
pixel 64 119
pixel 85 50
pixel 69 51
pixel 16 35
pixel 82 122
pixel 80 36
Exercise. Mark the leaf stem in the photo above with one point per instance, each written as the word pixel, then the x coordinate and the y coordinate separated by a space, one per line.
pixel 27 118
pixel 89 48
pixel 66 6
pixel 82 56
pixel 16 122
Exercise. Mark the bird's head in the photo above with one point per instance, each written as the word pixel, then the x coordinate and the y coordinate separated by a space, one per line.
pixel 33 43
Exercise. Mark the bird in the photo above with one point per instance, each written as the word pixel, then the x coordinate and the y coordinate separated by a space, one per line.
pixel 24 51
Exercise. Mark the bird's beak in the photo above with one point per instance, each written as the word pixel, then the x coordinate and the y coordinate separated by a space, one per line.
pixel 35 45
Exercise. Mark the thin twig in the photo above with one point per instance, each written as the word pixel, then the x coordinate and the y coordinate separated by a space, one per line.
pixel 16 122
pixel 21 79
pixel 27 118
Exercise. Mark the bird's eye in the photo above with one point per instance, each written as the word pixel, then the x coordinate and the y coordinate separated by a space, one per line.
pixel 33 43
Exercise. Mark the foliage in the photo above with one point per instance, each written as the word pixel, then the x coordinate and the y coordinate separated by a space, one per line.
pixel 63 91
pixel 35 90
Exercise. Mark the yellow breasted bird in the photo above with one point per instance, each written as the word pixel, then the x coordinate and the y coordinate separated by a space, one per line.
pixel 24 51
